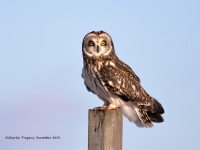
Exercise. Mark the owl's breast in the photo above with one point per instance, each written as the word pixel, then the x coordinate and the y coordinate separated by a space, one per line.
pixel 93 81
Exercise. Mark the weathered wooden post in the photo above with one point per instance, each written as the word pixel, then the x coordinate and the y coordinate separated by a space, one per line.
pixel 105 130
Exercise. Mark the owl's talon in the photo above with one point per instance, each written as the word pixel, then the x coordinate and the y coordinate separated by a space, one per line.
pixel 101 108
pixel 116 108
pixel 112 107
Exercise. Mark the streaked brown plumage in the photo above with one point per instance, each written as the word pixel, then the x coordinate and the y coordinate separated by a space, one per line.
pixel 115 83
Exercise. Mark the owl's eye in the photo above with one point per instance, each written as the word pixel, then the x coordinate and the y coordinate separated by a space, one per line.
pixel 103 43
pixel 91 43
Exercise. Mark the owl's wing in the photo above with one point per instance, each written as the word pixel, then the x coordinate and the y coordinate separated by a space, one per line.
pixel 122 81
pixel 121 65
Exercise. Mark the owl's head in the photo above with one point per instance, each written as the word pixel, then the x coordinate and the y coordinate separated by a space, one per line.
pixel 97 44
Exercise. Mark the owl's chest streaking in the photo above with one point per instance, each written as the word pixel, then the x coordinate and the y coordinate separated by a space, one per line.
pixel 94 82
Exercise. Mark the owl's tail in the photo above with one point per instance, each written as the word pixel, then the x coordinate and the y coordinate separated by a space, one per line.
pixel 155 112
pixel 149 114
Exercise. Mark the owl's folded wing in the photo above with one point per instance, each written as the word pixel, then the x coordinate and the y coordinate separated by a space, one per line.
pixel 119 79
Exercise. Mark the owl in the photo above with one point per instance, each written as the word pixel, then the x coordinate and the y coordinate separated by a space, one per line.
pixel 115 83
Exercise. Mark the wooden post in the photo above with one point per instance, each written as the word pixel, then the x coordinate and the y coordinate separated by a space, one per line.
pixel 105 130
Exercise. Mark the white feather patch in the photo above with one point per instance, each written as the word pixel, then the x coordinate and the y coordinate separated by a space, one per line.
pixel 133 86
pixel 110 82
pixel 129 112
pixel 112 64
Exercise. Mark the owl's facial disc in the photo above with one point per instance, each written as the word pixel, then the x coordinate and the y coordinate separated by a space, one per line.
pixel 96 45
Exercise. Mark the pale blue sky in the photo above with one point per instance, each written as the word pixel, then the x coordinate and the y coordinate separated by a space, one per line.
pixel 41 89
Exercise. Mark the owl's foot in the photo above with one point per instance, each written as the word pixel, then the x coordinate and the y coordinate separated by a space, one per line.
pixel 101 108
pixel 110 107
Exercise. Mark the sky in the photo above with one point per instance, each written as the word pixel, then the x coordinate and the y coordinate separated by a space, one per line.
pixel 41 89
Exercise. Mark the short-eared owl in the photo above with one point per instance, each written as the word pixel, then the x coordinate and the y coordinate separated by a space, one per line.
pixel 115 83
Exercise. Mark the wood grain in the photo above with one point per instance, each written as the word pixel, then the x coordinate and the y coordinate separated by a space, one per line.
pixel 105 130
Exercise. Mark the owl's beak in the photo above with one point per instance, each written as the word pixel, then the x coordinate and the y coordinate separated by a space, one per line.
pixel 97 49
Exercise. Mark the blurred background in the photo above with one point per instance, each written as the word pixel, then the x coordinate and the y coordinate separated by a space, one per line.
pixel 41 89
